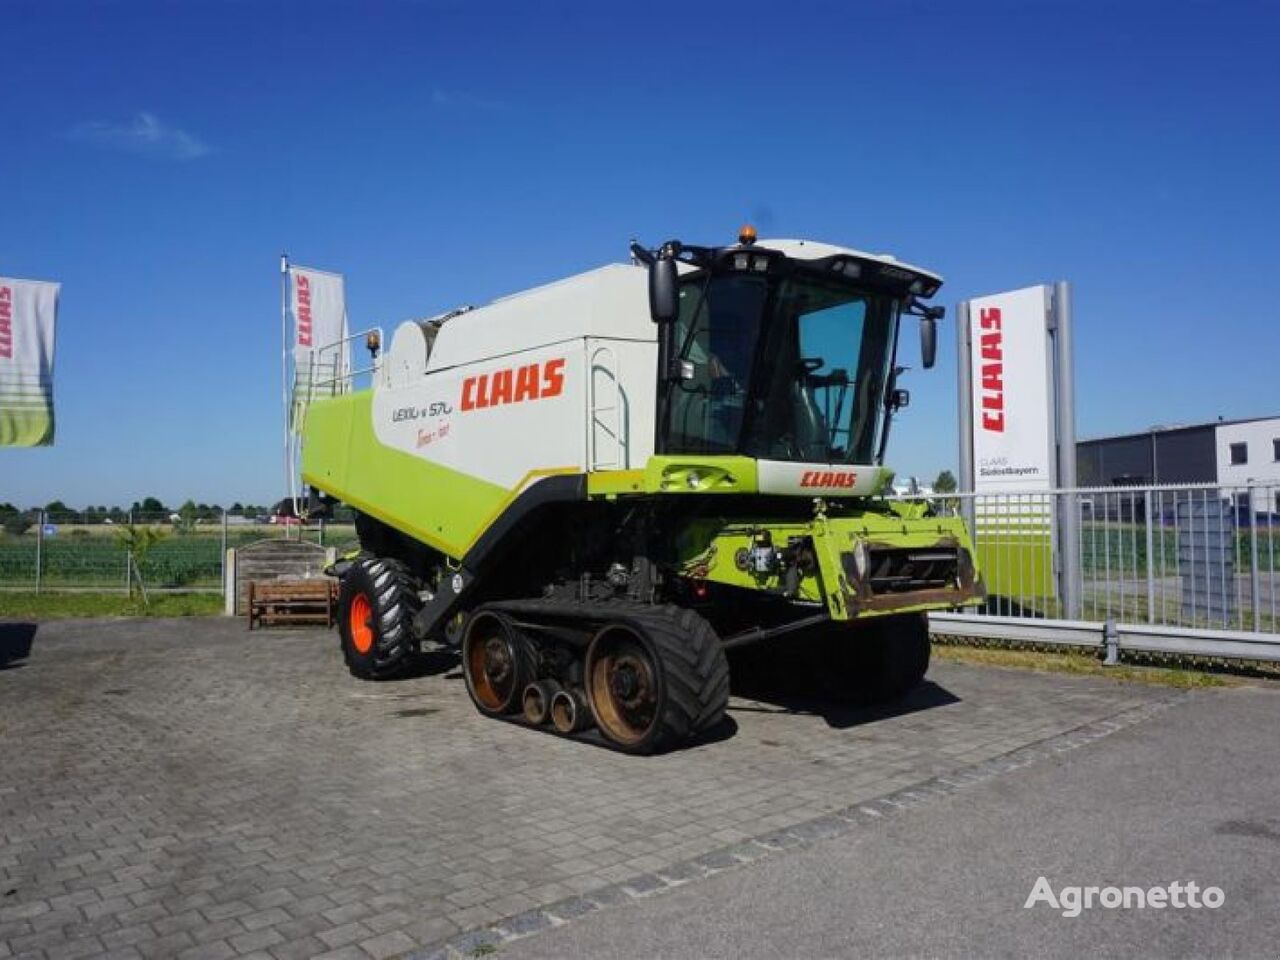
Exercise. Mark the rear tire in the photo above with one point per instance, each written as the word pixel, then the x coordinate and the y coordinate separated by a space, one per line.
pixel 376 604
pixel 655 678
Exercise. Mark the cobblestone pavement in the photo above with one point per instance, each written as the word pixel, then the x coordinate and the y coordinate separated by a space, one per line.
pixel 189 789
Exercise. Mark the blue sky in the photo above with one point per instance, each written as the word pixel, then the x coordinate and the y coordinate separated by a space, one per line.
pixel 157 159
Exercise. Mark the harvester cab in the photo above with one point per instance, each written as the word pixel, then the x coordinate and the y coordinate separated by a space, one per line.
pixel 599 486
pixel 749 309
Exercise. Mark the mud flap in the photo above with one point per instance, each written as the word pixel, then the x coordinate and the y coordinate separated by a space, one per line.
pixel 339 568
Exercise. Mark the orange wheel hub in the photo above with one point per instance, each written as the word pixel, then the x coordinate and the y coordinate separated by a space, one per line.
pixel 360 621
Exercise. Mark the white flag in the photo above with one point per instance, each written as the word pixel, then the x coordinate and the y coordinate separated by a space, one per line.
pixel 28 314
pixel 321 353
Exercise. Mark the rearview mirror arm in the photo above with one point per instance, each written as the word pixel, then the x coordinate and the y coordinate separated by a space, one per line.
pixel 918 308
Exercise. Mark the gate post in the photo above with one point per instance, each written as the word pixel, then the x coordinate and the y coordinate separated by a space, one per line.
pixel 39 547
pixel 964 380
pixel 1070 583
pixel 224 549
pixel 1110 643
pixel 1151 560
pixel 229 582
pixel 1254 580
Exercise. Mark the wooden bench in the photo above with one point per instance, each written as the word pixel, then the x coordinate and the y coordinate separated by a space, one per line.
pixel 293 601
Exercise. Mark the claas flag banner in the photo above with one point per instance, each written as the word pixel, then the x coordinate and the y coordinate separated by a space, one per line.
pixel 28 313
pixel 321 353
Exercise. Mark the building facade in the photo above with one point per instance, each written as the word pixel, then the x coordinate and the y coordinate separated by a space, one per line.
pixel 1229 453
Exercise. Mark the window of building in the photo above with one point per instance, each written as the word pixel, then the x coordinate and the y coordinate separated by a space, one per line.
pixel 1275 449
pixel 1239 453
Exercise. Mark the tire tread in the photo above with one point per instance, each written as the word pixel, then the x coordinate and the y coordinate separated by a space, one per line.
pixel 393 593
pixel 695 669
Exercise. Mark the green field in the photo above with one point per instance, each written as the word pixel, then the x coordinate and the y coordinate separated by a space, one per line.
pixel 92 557
pixel 1121 550
pixel 26 605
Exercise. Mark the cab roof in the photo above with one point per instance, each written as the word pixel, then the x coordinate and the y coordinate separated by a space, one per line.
pixel 816 250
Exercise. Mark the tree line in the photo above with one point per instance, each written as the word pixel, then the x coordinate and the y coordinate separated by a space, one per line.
pixel 147 510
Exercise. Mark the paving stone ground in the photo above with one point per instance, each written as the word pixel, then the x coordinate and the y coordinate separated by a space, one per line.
pixel 190 789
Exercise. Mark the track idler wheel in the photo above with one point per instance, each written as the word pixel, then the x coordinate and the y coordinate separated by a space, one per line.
pixel 498 663
pixel 537 701
pixel 570 712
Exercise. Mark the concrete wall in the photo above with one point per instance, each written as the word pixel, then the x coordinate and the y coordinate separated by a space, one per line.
pixel 274 560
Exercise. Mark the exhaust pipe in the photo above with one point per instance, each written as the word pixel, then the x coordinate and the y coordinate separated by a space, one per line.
pixel 569 711
pixel 537 700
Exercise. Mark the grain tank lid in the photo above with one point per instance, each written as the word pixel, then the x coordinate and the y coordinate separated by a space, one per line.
pixel 440 319
pixel 575 281
pixel 571 285
pixel 606 302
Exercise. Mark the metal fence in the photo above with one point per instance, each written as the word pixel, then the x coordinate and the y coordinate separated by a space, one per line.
pixel 1199 560
pixel 91 552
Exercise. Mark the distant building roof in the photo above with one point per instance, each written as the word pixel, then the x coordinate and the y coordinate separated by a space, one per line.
pixel 1175 427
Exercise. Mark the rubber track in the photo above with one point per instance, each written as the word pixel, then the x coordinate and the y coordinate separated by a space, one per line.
pixel 693 659
pixel 696 670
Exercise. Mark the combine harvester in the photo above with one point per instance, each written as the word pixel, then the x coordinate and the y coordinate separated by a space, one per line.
pixel 599 485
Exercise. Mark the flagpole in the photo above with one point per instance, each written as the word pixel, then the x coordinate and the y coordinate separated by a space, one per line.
pixel 284 368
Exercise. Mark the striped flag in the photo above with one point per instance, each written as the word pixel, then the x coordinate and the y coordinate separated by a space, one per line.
pixel 321 354
pixel 28 314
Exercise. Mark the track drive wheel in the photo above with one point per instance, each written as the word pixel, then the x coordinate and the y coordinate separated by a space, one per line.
pixel 656 677
pixel 376 604
pixel 874 662
pixel 498 662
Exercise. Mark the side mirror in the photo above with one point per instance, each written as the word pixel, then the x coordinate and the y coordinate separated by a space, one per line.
pixel 664 290
pixel 928 342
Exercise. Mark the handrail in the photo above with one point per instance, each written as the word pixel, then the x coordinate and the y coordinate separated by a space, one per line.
pixel 610 368
pixel 345 379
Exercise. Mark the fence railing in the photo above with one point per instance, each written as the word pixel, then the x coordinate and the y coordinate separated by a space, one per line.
pixel 91 551
pixel 1200 557
pixel 1197 557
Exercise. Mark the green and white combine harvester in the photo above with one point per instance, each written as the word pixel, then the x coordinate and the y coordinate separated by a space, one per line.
pixel 599 486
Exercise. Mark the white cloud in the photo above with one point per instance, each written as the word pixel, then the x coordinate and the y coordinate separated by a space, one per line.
pixel 143 135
